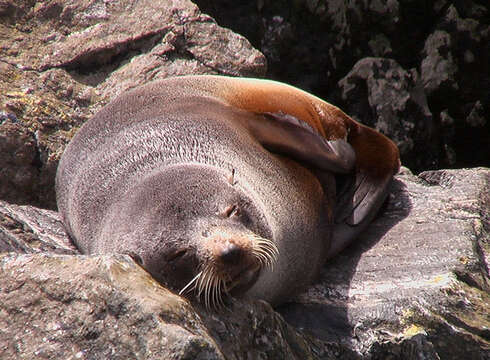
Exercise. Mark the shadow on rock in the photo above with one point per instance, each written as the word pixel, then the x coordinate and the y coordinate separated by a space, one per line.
pixel 324 311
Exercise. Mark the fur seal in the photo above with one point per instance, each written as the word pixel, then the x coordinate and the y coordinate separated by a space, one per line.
pixel 221 185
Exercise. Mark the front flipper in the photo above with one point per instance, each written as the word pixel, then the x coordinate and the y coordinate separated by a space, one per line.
pixel 357 204
pixel 285 134
pixel 363 193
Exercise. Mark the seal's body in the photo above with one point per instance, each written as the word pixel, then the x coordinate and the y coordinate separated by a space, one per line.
pixel 223 184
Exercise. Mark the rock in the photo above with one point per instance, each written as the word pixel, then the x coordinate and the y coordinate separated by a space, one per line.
pixel 382 94
pixel 30 230
pixel 476 117
pixel 421 269
pixel 450 72
pixel 278 32
pixel 380 46
pixel 61 61
pixel 94 308
pixel 414 286
pixel 447 133
pixel 438 68
pixel 59 306
pixel 18 150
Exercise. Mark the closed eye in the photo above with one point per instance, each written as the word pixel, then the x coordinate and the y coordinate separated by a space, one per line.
pixel 176 255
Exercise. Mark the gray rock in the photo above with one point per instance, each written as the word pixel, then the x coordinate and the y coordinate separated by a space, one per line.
pixel 438 68
pixel 73 307
pixel 30 230
pixel 414 286
pixel 79 307
pixel 421 269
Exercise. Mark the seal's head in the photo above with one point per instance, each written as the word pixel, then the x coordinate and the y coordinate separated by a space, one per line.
pixel 194 229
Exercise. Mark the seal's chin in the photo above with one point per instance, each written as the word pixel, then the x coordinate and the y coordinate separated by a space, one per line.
pixel 244 280
pixel 214 287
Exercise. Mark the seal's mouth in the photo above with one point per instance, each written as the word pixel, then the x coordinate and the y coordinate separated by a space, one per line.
pixel 242 281
pixel 216 279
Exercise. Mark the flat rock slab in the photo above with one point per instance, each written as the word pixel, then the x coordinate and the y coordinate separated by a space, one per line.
pixel 414 286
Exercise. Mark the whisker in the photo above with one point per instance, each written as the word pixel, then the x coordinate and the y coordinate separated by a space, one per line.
pixel 202 282
pixel 207 293
pixel 262 257
pixel 221 297
pixel 211 287
pixel 266 251
pixel 193 281
pixel 207 287
pixel 215 292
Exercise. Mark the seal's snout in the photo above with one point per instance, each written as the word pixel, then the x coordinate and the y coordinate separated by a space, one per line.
pixel 228 248
pixel 231 263
pixel 231 254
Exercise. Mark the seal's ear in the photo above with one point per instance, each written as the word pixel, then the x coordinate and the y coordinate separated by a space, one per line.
pixel 231 178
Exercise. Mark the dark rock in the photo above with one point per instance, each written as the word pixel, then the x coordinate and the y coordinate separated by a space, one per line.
pixel 18 155
pixel 447 133
pixel 450 72
pixel 277 33
pixel 380 46
pixel 438 68
pixel 476 116
pixel 382 94
pixel 414 286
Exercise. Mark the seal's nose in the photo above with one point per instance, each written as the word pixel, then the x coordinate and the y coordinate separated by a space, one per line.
pixel 231 254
